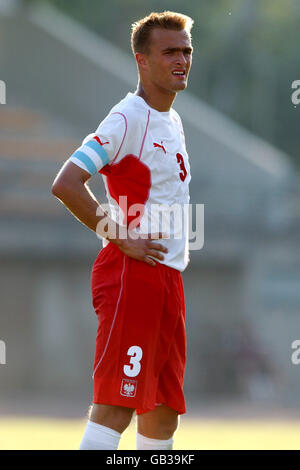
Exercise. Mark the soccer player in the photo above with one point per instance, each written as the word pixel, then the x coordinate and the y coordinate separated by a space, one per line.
pixel 137 289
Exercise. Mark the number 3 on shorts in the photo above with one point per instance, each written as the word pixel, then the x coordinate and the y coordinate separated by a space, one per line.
pixel 136 354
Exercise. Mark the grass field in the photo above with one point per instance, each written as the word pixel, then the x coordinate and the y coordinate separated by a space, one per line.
pixel 65 434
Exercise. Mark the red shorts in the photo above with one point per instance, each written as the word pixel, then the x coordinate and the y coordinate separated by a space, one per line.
pixel 141 344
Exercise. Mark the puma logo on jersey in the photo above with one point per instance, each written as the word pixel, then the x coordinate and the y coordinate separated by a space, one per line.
pixel 99 141
pixel 160 146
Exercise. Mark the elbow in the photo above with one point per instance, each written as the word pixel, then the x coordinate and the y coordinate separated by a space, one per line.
pixel 59 188
pixel 68 181
pixel 56 188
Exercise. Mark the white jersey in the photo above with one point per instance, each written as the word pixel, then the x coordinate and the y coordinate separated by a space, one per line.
pixel 141 155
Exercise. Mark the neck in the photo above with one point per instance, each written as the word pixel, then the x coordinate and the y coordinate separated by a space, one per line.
pixel 155 98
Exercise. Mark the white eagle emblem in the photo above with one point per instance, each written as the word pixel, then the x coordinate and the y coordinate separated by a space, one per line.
pixel 128 388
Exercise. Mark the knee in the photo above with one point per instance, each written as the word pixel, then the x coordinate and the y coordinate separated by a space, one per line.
pixel 114 417
pixel 158 428
pixel 168 429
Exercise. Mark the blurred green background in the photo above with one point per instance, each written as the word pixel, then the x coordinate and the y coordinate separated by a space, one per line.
pixel 246 55
pixel 65 64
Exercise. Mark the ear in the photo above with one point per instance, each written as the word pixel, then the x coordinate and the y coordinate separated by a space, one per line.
pixel 141 60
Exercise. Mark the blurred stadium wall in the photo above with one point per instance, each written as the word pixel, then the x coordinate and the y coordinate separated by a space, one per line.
pixel 242 288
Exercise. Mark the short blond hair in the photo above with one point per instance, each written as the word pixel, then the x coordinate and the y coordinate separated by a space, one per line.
pixel 141 29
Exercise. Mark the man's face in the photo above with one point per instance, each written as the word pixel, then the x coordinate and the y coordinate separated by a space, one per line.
pixel 168 62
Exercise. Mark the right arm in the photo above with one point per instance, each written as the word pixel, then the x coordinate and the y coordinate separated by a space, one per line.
pixel 70 187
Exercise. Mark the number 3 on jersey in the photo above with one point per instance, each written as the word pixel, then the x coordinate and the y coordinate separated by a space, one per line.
pixel 180 160
pixel 136 354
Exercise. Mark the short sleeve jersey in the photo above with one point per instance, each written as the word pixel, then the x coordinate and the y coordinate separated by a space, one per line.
pixel 141 155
